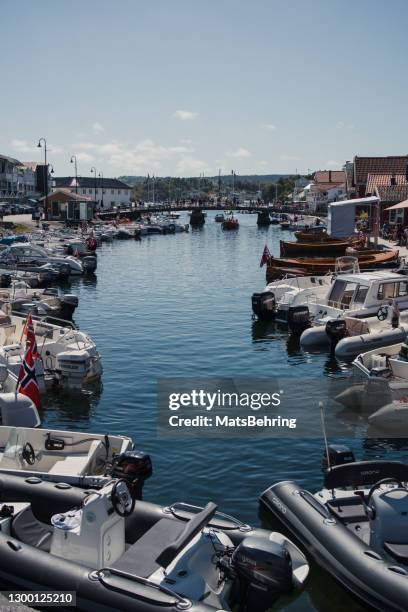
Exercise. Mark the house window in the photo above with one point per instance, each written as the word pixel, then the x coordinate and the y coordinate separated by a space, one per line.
pixel 112 191
pixel 84 191
pixel 89 190
pixel 119 191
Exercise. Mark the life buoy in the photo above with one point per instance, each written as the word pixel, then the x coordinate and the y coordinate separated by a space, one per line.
pixel 382 313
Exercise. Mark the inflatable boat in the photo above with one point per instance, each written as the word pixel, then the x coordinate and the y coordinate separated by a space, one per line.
pixel 356 527
pixel 119 553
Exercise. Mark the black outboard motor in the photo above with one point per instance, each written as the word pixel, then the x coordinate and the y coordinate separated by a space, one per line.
pixel 403 354
pixel 339 454
pixel 135 467
pixel 5 280
pixel 298 319
pixel 89 263
pixel 264 568
pixel 336 330
pixel 264 305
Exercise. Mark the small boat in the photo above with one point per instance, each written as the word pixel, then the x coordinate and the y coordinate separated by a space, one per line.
pixel 118 552
pixel 275 220
pixel 219 218
pixel 389 362
pixel 82 459
pixel 68 357
pixel 322 265
pixel 44 302
pixel 285 225
pixel 355 527
pixel 30 257
pixel 315 233
pixel 315 249
pixel 230 223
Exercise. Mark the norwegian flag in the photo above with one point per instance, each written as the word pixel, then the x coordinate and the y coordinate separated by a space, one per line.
pixel 27 381
pixel 28 332
pixel 266 256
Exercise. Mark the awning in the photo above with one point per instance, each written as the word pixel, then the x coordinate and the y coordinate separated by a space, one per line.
pixel 403 204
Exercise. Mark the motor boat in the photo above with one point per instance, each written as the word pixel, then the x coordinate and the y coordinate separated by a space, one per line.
pixel 230 223
pixel 361 296
pixel 355 527
pixel 82 459
pixel 118 552
pixel 48 302
pixel 389 362
pixel 219 218
pixel 30 257
pixel 69 358
pixel 279 296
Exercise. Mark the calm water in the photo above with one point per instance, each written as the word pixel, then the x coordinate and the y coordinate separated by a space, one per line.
pixel 180 306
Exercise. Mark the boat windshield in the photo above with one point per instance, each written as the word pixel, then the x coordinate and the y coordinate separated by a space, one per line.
pixel 342 293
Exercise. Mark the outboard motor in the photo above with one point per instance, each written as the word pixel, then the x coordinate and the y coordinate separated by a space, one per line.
pixel 298 319
pixel 89 263
pixel 403 354
pixel 264 569
pixel 135 467
pixel 264 305
pixel 69 302
pixel 339 454
pixel 336 330
pixel 5 280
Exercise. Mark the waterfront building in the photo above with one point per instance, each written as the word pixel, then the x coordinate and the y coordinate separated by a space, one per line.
pixel 65 205
pixel 327 186
pixel 106 192
pixel 391 189
pixel 365 166
pixel 17 180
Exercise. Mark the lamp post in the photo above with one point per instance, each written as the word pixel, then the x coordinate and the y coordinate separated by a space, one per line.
pixel 101 177
pixel 74 161
pixel 42 142
pixel 93 169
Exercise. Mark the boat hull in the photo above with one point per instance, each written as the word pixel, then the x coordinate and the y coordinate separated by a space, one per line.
pixel 336 549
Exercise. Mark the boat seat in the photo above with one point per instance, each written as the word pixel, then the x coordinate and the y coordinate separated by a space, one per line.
pixel 70 465
pixel 348 510
pixel 399 551
pixel 141 558
pixel 162 543
pixel 28 529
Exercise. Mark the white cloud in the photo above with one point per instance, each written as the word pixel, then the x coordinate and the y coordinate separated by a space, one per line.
pixel 342 125
pixel 240 153
pixel 263 163
pixel 269 126
pixel 97 128
pixel 85 157
pixel 289 158
pixel 185 115
pixel 23 146
pixel 333 163
pixel 142 157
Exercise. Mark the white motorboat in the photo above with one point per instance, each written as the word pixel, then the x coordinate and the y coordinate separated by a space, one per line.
pixel 28 256
pixel 389 362
pixel 69 357
pixel 78 458
pixel 44 302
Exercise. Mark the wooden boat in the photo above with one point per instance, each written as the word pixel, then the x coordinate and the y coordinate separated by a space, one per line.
pixel 322 265
pixel 230 223
pixel 327 247
pixel 285 225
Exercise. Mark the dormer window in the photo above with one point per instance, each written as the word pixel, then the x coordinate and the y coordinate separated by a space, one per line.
pixel 393 180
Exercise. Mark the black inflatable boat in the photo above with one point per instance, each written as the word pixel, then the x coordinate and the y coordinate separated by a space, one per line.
pixel 356 527
pixel 119 553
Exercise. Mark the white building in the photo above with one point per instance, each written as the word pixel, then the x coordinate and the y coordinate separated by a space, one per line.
pixel 17 180
pixel 106 192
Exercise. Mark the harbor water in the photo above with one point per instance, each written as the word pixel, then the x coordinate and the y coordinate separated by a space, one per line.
pixel 180 306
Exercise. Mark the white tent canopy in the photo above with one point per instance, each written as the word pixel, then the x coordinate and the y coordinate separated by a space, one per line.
pixel 342 216
pixel 403 204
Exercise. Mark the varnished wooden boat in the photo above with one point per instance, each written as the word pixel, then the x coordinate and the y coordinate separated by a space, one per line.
pixel 317 249
pixel 230 224
pixel 322 265
pixel 307 235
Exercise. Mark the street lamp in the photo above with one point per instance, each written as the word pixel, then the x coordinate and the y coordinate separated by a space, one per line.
pixel 93 169
pixel 74 161
pixel 101 177
pixel 42 142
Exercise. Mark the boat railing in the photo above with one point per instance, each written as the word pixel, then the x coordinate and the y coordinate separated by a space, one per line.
pixel 104 574
pixel 180 506
pixel 46 319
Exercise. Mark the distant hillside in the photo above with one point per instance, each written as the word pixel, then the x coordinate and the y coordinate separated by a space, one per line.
pixel 225 178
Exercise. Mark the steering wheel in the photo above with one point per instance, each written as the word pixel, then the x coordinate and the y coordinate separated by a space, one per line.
pixel 382 313
pixel 381 482
pixel 28 454
pixel 121 498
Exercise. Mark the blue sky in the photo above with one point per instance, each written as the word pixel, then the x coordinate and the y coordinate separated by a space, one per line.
pixel 182 87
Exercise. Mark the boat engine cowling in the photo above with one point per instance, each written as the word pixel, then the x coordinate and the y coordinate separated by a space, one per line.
pixel 89 263
pixel 298 319
pixel 264 569
pixel 263 304
pixel 336 330
pixel 135 467
pixel 339 454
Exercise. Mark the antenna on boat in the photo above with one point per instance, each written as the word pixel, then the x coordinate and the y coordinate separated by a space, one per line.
pixel 322 416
